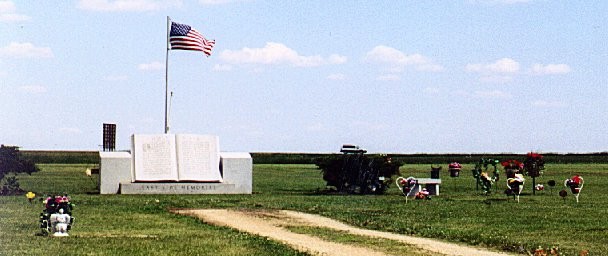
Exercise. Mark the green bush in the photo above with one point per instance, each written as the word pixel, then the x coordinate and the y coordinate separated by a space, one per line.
pixel 358 173
pixel 13 163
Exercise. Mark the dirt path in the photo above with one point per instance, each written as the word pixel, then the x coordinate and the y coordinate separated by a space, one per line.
pixel 272 224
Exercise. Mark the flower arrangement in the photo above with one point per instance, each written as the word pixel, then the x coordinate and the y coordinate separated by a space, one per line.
pixel 454 169
pixel 483 179
pixel 539 187
pixel 575 184
pixel 512 167
pixel 512 164
pixel 534 164
pixel 53 205
pixel 423 194
pixel 406 184
pixel 454 165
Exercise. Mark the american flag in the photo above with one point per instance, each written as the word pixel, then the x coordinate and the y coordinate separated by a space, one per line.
pixel 184 37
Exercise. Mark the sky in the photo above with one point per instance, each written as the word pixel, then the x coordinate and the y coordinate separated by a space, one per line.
pixel 461 76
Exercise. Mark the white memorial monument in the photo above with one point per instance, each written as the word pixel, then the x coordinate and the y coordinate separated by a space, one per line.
pixel 175 164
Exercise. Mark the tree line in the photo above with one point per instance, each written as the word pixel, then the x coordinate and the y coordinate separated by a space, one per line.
pixel 92 157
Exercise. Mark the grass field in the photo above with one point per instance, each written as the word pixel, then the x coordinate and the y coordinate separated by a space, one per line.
pixel 141 224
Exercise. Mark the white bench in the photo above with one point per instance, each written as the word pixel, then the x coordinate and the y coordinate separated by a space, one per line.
pixel 431 185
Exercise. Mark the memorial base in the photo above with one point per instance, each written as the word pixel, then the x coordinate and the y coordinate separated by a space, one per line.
pixel 115 177
pixel 179 188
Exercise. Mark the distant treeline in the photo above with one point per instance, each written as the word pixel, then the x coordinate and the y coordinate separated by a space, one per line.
pixel 92 157
pixel 310 158
pixel 61 157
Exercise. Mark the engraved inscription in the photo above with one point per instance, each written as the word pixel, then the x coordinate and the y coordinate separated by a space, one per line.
pixel 198 157
pixel 154 157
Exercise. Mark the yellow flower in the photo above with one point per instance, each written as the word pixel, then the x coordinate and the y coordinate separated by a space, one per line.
pixel 30 196
pixel 88 172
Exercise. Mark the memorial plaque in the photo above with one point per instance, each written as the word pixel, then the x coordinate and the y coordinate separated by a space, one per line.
pixel 154 157
pixel 198 157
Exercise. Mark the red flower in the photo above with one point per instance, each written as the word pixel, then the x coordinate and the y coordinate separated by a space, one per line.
pixel 511 163
pixel 534 155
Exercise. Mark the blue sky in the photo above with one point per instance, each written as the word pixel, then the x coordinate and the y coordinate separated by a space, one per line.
pixel 462 76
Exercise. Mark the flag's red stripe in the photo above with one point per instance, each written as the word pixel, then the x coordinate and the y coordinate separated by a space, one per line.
pixel 175 40
pixel 190 46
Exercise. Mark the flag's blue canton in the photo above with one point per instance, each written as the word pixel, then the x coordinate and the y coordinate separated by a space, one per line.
pixel 179 29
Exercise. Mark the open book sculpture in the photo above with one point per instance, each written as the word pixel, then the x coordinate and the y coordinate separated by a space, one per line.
pixel 176 157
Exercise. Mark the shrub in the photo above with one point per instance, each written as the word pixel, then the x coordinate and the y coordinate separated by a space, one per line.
pixel 13 163
pixel 358 173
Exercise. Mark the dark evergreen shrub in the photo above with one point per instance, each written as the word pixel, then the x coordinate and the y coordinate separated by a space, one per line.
pixel 358 173
pixel 11 164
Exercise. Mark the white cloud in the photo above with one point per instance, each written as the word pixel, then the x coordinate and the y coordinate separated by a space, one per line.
pixel 337 77
pixel 495 94
pixel 7 7
pixel 277 53
pixel 13 17
pixel 152 66
pixel 222 67
pixel 504 65
pixel 548 104
pixel 127 5
pixel 337 59
pixel 34 89
pixel 8 13
pixel 25 50
pixel 430 67
pixel 388 77
pixel 398 60
pixel 550 69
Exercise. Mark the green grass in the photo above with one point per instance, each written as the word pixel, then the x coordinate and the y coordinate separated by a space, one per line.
pixel 141 224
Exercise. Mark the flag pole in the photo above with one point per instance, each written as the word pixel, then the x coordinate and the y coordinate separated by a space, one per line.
pixel 167 77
